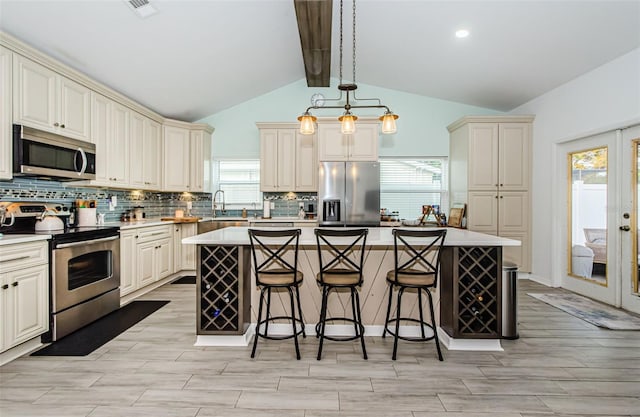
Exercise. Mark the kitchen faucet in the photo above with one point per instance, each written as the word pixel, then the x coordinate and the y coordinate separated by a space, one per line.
pixel 215 206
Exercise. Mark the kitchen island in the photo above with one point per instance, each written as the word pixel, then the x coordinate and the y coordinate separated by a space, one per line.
pixel 468 298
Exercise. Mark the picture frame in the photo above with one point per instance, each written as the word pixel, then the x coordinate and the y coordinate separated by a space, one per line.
pixel 455 217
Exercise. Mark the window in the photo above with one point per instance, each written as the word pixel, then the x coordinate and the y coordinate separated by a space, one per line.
pixel 408 184
pixel 240 181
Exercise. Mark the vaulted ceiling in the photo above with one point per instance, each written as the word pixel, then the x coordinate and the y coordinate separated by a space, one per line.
pixel 196 58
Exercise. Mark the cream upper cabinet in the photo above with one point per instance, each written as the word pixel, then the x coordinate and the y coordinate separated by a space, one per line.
pixel 277 159
pixel 45 100
pixel 110 133
pixel 490 172
pixel 187 157
pixel 176 159
pixel 501 153
pixel 146 152
pixel 514 156
pixel 6 70
pixel 360 146
pixel 306 178
pixel 118 153
pixel 200 161
pixel 288 159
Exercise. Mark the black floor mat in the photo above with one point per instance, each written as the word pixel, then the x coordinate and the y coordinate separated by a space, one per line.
pixel 189 279
pixel 87 339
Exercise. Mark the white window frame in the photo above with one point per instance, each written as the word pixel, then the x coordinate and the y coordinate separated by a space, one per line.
pixel 410 190
pixel 229 203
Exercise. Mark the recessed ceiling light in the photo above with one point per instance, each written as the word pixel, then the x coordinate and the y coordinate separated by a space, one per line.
pixel 462 33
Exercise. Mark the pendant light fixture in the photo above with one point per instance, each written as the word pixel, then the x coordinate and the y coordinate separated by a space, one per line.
pixel 348 119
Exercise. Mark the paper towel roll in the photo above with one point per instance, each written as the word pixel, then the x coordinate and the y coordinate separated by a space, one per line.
pixel 86 217
pixel 266 209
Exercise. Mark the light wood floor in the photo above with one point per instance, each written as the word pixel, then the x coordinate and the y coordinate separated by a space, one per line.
pixel 561 365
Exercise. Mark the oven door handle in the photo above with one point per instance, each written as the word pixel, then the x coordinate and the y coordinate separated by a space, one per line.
pixel 86 242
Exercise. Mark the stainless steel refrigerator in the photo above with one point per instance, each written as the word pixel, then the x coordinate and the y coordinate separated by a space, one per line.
pixel 349 194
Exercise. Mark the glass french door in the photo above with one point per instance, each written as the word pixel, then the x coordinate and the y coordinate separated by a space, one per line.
pixel 590 241
pixel 628 220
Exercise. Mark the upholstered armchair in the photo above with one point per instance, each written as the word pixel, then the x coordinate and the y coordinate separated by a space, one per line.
pixel 596 240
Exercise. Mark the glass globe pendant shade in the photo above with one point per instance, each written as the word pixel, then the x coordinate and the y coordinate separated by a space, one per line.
pixel 307 123
pixel 348 123
pixel 389 123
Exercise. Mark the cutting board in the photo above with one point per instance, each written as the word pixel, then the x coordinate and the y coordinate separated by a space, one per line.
pixel 181 219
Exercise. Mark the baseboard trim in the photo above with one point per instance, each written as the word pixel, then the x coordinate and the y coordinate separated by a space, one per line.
pixel 489 345
pixel 536 278
pixel 280 329
pixel 20 350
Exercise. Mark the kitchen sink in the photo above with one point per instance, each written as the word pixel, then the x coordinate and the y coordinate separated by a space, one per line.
pixel 209 225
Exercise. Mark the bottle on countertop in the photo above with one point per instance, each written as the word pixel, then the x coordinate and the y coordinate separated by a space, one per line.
pixel 244 213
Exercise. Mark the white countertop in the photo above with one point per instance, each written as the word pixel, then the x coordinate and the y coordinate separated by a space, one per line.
pixel 13 239
pixel 378 236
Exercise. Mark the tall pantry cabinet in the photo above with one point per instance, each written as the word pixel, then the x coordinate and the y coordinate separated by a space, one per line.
pixel 490 163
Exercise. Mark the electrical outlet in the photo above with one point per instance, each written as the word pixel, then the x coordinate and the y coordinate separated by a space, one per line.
pixel 301 205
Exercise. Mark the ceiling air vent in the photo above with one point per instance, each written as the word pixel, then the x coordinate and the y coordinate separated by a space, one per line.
pixel 142 7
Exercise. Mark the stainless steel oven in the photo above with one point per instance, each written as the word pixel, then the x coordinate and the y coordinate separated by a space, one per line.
pixel 85 279
pixel 84 266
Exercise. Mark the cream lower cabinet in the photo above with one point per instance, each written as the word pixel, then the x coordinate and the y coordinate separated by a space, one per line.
pixel 46 100
pixel 6 70
pixel 490 171
pixel 359 146
pixel 146 256
pixel 24 293
pixel 184 255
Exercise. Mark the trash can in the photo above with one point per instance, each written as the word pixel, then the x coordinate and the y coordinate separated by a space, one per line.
pixel 581 261
pixel 509 301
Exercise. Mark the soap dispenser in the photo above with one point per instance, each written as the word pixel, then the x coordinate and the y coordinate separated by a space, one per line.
pixel 301 212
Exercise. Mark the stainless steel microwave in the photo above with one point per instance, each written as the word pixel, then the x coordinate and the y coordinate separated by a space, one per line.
pixel 43 154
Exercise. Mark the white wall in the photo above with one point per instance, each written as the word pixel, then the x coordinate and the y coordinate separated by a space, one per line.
pixel 603 99
pixel 422 126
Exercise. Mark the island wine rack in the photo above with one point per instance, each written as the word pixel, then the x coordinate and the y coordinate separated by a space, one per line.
pixel 470 305
pixel 224 304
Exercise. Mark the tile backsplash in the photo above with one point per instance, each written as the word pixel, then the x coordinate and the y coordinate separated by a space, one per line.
pixel 156 204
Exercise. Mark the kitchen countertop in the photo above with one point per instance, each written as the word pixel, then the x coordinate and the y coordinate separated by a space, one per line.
pixel 157 222
pixel 13 239
pixel 378 236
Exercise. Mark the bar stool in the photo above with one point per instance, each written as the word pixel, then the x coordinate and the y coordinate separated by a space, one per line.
pixel 418 270
pixel 275 272
pixel 341 269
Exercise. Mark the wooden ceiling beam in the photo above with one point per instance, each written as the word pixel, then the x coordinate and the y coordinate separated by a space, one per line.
pixel 314 26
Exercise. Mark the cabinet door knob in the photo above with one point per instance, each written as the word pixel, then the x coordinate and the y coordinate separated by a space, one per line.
pixel 56 124
pixel 62 126
pixel 5 286
pixel 501 185
pixel 15 284
pixel 501 196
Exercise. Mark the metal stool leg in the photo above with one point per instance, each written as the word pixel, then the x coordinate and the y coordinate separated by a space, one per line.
pixel 395 339
pixel 424 336
pixel 293 323
pixel 360 326
pixel 323 316
pixel 386 321
pixel 435 330
pixel 255 338
pixel 266 324
pixel 304 334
